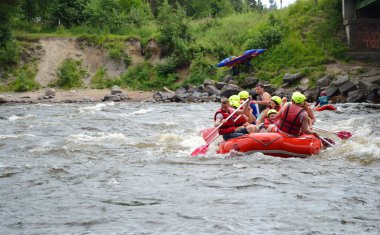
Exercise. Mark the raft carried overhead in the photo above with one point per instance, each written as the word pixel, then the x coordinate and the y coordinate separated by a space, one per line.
pixel 245 57
pixel 273 144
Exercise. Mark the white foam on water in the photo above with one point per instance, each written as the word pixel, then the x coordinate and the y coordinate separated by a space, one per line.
pixel 169 138
pixel 99 138
pixel 14 118
pixel 96 108
pixel 2 137
pixel 141 111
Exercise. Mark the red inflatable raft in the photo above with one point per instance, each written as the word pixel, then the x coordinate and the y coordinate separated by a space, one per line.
pixel 273 144
pixel 325 107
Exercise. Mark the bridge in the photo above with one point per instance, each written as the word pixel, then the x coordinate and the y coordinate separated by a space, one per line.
pixel 361 20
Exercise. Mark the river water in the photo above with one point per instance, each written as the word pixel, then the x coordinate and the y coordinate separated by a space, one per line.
pixel 125 168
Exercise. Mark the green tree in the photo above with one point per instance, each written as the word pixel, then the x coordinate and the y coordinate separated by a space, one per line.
pixel 238 5
pixel 37 10
pixel 7 7
pixel 70 12
pixel 173 27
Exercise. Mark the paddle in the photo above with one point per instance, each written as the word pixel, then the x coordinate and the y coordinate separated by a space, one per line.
pixel 210 134
pixel 340 134
pixel 326 142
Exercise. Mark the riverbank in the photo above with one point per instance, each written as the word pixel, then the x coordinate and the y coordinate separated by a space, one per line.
pixel 71 96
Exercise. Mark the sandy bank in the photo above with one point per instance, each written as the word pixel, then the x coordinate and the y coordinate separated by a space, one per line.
pixel 77 95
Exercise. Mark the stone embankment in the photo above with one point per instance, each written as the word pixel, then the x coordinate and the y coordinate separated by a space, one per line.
pixel 359 84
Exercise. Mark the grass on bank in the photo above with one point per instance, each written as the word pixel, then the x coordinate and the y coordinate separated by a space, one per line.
pixel 300 38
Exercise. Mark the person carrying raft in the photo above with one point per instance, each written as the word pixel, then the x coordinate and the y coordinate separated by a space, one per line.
pixel 229 130
pixel 293 118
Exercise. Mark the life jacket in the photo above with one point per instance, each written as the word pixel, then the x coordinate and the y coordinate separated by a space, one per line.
pixel 227 127
pixel 323 100
pixel 290 120
pixel 240 121
pixel 267 122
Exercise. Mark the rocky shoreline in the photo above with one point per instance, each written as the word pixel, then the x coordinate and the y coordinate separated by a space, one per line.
pixel 355 85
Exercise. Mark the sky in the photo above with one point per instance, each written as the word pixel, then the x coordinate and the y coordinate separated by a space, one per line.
pixel 284 2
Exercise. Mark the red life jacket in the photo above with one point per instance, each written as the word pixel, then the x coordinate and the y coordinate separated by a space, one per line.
pixel 267 122
pixel 240 121
pixel 227 127
pixel 290 120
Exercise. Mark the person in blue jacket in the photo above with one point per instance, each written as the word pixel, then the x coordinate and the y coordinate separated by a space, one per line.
pixel 323 99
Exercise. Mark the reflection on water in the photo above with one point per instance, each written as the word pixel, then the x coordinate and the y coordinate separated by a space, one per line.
pixel 126 168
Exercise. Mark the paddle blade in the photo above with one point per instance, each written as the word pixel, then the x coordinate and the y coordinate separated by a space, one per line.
pixel 200 150
pixel 344 134
pixel 210 134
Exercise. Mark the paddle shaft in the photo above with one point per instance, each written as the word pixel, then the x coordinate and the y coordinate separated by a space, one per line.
pixel 233 113
pixel 325 141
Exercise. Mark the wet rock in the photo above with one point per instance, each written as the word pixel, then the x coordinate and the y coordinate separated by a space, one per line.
pixel 355 96
pixel 2 99
pixel 324 81
pixel 347 87
pixel 114 98
pixel 291 78
pixel 279 92
pixel 163 96
pixel 220 85
pixel 312 94
pixel 201 88
pixel 209 82
pixel 369 84
pixel 332 90
pixel 116 90
pixel 230 89
pixel 228 78
pixel 49 93
pixel 304 84
pixel 212 90
pixel 340 80
pixel 180 91
pixel 249 82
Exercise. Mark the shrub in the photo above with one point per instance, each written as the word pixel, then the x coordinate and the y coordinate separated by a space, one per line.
pixel 266 36
pixel 99 80
pixel 25 79
pixel 200 70
pixel 70 74
pixel 9 54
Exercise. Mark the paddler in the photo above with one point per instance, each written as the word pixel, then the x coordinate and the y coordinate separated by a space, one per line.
pixel 228 130
pixel 293 119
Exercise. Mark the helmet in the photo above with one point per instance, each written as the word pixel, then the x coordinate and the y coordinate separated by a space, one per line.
pixel 234 103
pixel 276 99
pixel 323 93
pixel 243 95
pixel 234 98
pixel 298 98
pixel 271 111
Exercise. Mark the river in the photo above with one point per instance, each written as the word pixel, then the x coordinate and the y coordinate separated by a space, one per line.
pixel 125 168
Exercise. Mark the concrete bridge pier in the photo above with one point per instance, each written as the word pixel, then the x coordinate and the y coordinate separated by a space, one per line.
pixel 361 20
